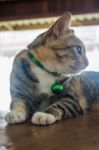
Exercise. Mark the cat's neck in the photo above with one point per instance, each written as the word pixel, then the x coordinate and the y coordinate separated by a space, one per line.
pixel 47 58
pixel 43 54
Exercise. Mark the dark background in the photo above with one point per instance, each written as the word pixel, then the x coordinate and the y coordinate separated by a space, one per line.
pixel 23 9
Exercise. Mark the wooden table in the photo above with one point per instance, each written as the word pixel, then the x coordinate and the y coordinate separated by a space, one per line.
pixel 80 133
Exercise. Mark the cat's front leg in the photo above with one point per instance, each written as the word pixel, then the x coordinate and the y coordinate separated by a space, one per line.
pixel 43 118
pixel 66 108
pixel 18 113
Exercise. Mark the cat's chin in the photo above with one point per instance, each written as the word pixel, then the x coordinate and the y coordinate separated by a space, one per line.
pixel 69 73
pixel 72 73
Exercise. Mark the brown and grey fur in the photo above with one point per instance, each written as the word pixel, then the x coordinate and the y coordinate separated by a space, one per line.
pixel 80 95
pixel 57 49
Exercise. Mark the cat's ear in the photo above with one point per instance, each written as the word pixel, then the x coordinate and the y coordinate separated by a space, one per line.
pixel 61 25
pixel 58 29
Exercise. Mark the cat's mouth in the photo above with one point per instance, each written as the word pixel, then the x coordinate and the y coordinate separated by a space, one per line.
pixel 72 69
pixel 81 65
pixel 84 64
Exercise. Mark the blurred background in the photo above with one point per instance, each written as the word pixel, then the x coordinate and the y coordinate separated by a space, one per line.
pixel 22 20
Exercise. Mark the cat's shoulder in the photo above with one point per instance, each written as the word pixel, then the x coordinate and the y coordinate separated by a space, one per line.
pixel 22 58
pixel 21 55
pixel 23 66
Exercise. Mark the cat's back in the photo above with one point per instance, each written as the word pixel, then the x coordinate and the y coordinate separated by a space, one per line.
pixel 22 65
pixel 19 58
pixel 22 76
pixel 91 76
pixel 89 81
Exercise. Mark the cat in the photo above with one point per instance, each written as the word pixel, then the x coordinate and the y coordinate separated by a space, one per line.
pixel 54 54
pixel 81 94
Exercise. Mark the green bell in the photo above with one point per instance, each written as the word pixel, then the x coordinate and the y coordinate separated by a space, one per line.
pixel 57 88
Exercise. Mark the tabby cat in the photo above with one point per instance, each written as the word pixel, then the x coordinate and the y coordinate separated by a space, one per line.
pixel 40 77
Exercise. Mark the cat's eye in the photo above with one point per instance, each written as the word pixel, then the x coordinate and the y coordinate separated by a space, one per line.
pixel 78 49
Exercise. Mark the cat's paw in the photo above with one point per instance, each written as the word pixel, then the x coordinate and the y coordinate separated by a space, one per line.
pixel 41 118
pixel 14 117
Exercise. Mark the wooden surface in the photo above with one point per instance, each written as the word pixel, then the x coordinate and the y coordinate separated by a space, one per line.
pixel 81 133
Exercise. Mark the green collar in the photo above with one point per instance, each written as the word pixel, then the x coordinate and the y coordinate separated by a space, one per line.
pixel 40 65
pixel 57 87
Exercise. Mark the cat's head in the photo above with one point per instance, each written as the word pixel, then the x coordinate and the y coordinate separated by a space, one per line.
pixel 59 49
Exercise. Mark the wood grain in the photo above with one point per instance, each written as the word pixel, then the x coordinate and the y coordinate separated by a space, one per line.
pixel 80 133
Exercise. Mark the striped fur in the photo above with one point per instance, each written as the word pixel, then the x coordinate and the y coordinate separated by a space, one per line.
pixel 81 94
pixel 59 50
pixel 66 108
